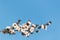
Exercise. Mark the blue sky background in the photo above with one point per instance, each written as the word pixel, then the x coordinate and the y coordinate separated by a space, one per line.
pixel 38 11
